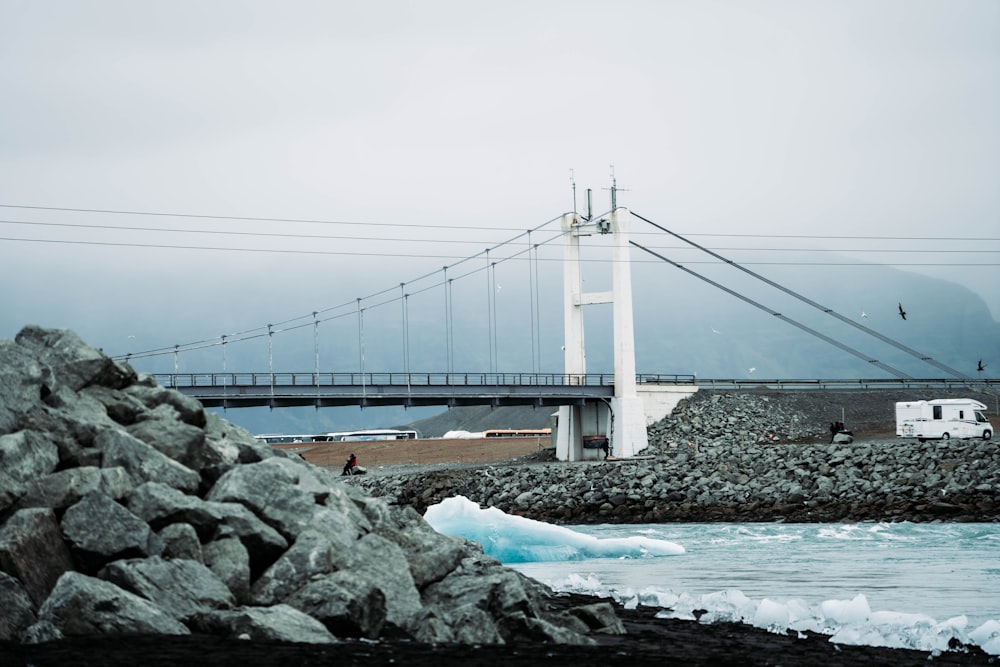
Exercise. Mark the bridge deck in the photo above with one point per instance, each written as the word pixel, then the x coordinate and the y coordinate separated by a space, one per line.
pixel 232 390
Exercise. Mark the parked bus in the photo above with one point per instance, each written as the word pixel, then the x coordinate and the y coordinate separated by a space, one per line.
pixel 280 439
pixel 343 436
pixel 518 433
pixel 370 434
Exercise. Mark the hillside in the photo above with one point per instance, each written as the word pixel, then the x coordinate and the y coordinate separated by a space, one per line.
pixel 482 417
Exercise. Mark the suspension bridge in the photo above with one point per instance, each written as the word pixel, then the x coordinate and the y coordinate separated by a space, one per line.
pixel 617 406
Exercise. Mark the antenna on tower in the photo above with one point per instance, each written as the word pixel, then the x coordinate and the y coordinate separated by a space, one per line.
pixel 572 179
pixel 615 189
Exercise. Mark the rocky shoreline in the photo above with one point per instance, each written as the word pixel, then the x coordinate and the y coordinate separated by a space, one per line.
pixel 740 456
pixel 135 528
pixel 126 509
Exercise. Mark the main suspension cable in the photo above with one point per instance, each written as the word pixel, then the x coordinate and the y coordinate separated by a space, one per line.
pixel 829 311
pixel 836 343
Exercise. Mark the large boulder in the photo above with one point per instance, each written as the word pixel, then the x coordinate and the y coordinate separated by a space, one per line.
pixel 18 611
pixel 22 379
pixel 278 623
pixel 143 462
pixel 182 588
pixel 82 605
pixel 74 364
pixel 33 551
pixel 100 530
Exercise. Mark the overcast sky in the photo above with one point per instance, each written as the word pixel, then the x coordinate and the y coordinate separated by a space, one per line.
pixel 808 123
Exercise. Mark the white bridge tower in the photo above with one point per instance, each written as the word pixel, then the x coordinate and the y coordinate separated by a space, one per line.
pixel 620 424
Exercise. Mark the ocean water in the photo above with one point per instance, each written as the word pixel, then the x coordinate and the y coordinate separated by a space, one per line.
pixel 883 584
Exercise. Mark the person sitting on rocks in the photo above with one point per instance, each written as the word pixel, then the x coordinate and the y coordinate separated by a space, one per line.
pixel 352 462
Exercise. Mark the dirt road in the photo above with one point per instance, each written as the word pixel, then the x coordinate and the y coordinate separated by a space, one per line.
pixel 374 453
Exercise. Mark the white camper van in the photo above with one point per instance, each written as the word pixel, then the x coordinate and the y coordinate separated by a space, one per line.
pixel 942 419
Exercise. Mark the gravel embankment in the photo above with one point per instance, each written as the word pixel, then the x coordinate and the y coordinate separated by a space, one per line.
pixel 742 456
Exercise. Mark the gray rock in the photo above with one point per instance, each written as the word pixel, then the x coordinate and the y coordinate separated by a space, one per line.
pixel 143 462
pixel 347 605
pixel 480 602
pixel 160 505
pixel 33 551
pixel 383 564
pixel 100 530
pixel 80 605
pixel 120 407
pixel 74 364
pixel 162 429
pixel 311 555
pixel 61 489
pixel 180 587
pixel 73 420
pixel 23 381
pixel 152 396
pixel 270 489
pixel 26 455
pixel 429 556
pixel 228 444
pixel 278 623
pixel 18 612
pixel 180 540
pixel 230 561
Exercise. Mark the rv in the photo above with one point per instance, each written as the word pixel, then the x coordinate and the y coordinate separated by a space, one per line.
pixel 942 419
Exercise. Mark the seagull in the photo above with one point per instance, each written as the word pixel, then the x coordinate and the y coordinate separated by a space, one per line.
pixel 751 370
pixel 716 331
pixel 902 313
pixel 864 314
pixel 981 366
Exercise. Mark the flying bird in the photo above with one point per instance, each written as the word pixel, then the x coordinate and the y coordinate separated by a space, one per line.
pixel 751 370
pixel 864 314
pixel 714 330
pixel 981 366
pixel 902 313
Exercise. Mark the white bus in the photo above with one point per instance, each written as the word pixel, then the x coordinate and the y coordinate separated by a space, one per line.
pixel 369 434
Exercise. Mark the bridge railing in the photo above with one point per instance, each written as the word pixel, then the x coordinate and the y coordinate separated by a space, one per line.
pixel 313 379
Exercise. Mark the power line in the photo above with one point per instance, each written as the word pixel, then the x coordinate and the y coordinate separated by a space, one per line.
pixel 170 230
pixel 456 241
pixel 438 226
pixel 202 216
pixel 421 255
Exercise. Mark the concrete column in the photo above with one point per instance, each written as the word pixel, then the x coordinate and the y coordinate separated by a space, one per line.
pixel 628 432
pixel 574 351
pixel 568 435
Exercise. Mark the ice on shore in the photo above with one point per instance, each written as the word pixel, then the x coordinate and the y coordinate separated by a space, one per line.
pixel 515 539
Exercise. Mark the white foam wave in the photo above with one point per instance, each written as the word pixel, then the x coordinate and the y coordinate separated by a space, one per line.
pixel 844 621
